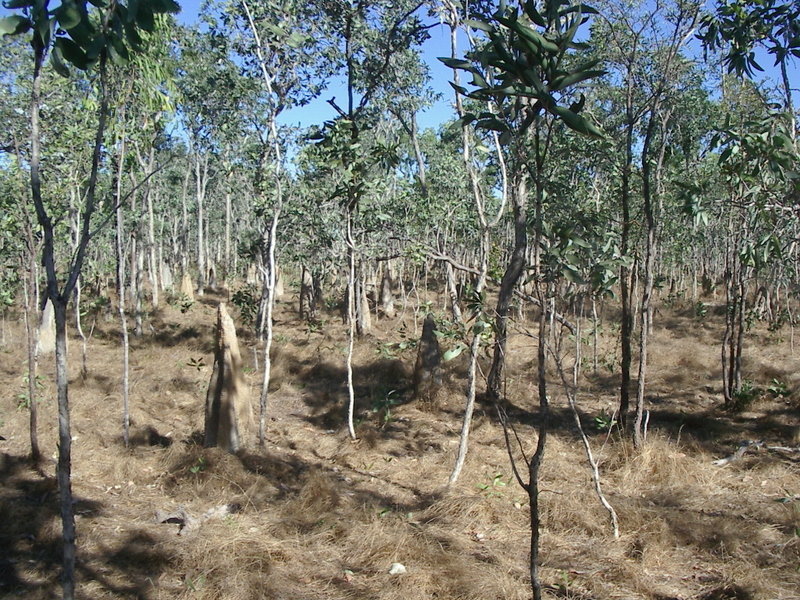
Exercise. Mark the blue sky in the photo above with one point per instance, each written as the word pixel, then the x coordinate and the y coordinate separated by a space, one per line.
pixel 319 111
pixel 438 45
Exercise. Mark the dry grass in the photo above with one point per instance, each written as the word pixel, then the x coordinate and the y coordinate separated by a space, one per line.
pixel 318 516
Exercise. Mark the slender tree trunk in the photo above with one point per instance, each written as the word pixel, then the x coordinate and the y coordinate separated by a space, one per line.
pixel 120 253
pixel 30 308
pixel 201 172
pixel 485 228
pixel 536 461
pixel 120 232
pixel 412 131
pixel 513 272
pixel 308 305
pixel 351 319
pixel 137 258
pixel 638 433
pixel 474 349
pixel 452 292
pixel 740 325
pixel 626 299
pixel 184 240
pixel 272 268
pixel 595 325
pixel 155 264
pixel 64 450
pixel 363 320
pixel 228 218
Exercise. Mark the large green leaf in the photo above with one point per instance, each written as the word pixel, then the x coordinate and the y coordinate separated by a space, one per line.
pixel 162 6
pixel 68 15
pixel 452 353
pixel 574 78
pixel 57 60
pixel 14 25
pixel 533 14
pixel 493 124
pixel 73 53
pixel 575 122
pixel 532 35
pixel 480 25
pixel 457 63
pixel 145 18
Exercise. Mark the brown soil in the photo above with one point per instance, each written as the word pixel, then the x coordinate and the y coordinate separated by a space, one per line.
pixel 313 515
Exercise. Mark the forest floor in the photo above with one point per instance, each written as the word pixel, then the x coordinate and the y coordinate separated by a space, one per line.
pixel 314 515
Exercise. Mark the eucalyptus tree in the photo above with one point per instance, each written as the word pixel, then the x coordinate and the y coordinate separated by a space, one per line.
pixel 212 97
pixel 472 168
pixel 530 67
pixel 661 84
pixel 84 36
pixel 642 52
pixel 756 158
pixel 282 64
pixel 760 158
pixel 367 37
pixel 19 244
pixel 738 27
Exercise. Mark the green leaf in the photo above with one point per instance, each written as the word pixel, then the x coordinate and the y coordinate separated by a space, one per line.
pixel 571 274
pixel 133 10
pixel 481 25
pixel 118 50
pixel 574 78
pixel 452 353
pixel 493 124
pixel 584 9
pixel 459 88
pixel 171 6
pixel 478 80
pixel 145 18
pixel 14 25
pixel 68 15
pixel 44 28
pixel 73 53
pixel 58 62
pixel 133 38
pixel 465 120
pixel 576 122
pixel 533 36
pixel 97 45
pixel 457 63
pixel 533 14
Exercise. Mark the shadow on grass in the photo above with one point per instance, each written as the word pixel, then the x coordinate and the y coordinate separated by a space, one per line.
pixel 30 544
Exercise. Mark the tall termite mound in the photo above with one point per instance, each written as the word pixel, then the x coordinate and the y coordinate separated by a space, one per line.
pixel 187 286
pixel 428 369
pixel 227 401
pixel 46 340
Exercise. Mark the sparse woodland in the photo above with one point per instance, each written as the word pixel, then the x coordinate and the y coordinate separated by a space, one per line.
pixel 545 350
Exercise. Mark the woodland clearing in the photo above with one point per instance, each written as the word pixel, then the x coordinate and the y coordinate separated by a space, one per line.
pixel 315 515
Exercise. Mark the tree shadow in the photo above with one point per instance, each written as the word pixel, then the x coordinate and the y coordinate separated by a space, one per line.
pixel 30 544
pixel 377 386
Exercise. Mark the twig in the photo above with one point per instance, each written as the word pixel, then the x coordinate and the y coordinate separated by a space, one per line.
pixel 571 391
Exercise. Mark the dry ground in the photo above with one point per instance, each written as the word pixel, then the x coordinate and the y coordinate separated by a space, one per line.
pixel 316 516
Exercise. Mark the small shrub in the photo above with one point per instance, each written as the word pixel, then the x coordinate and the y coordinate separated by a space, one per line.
pixel 247 300
pixel 778 389
pixel 700 310
pixel 181 301
pixel 605 421
pixel 748 394
pixel 23 398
